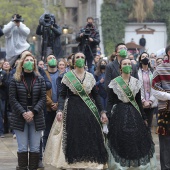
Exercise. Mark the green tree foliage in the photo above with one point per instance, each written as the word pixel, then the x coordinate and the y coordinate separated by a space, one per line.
pixel 161 14
pixel 31 10
pixel 114 16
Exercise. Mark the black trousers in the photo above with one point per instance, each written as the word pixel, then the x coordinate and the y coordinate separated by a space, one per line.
pixel 49 119
pixel 164 144
pixel 149 114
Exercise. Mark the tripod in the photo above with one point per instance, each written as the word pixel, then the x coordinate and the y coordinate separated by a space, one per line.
pixel 45 42
pixel 88 53
pixel 86 44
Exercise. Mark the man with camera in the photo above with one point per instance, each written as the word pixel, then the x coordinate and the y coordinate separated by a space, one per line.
pixel 89 38
pixel 15 34
pixel 50 32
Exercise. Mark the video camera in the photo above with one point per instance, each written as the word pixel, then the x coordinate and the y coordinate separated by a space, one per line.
pixel 47 20
pixel 18 18
pixel 87 30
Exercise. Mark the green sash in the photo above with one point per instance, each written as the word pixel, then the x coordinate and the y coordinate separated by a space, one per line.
pixel 127 92
pixel 84 96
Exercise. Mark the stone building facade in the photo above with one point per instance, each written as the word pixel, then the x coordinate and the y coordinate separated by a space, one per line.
pixel 75 17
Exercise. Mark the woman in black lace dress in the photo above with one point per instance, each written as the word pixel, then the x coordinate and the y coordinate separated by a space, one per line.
pixel 129 139
pixel 76 139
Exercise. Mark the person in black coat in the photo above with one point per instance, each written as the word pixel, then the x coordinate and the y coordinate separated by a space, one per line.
pixel 27 95
pixel 5 98
pixel 3 86
pixel 99 75
pixel 113 68
pixel 51 37
pixel 88 44
pixel 142 41
pixel 1 33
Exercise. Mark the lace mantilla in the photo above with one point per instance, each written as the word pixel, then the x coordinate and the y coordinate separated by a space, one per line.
pixel 134 163
pixel 134 84
pixel 88 83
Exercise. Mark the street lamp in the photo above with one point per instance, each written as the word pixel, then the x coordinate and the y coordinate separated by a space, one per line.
pixel 65 32
pixel 34 38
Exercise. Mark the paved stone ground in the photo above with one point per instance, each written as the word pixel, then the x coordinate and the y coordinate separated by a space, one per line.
pixel 8 151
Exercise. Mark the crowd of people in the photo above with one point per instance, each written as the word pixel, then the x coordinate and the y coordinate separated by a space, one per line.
pixel 71 115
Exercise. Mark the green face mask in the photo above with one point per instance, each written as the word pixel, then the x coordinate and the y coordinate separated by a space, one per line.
pixel 52 63
pixel 80 63
pixel 28 66
pixel 127 69
pixel 123 53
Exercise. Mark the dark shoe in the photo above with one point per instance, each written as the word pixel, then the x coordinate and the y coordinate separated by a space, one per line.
pixel 2 136
pixel 40 164
pixel 22 161
pixel 33 160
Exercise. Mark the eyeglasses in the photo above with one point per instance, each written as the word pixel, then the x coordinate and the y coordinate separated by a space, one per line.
pixel 80 57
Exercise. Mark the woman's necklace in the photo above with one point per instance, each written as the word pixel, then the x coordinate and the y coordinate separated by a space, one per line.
pixel 80 77
pixel 127 81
